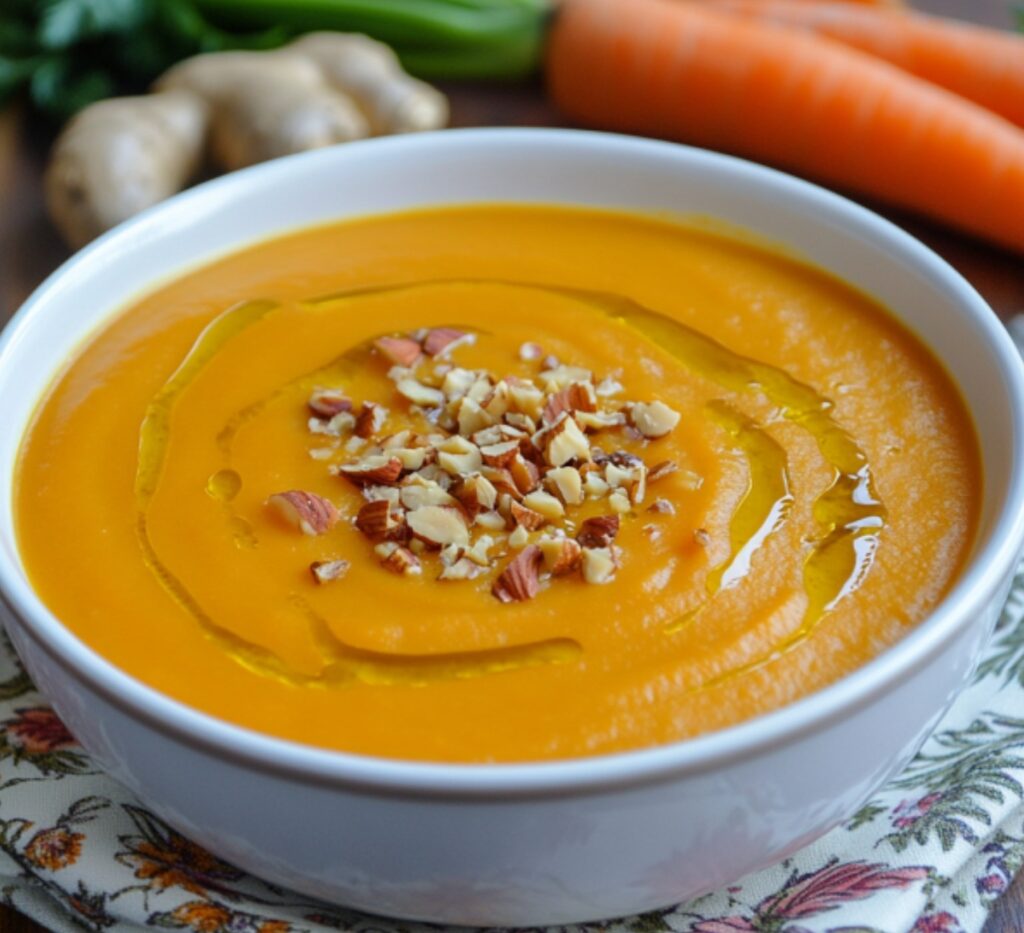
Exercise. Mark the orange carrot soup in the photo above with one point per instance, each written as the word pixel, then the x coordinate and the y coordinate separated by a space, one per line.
pixel 497 483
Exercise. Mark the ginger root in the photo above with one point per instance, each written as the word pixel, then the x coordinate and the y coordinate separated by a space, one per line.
pixel 120 156
pixel 369 72
pixel 231 109
pixel 266 105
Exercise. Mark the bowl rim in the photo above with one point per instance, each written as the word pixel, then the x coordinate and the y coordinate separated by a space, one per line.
pixel 981 580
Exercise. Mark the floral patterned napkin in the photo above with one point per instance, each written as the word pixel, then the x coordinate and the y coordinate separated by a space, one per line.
pixel 929 853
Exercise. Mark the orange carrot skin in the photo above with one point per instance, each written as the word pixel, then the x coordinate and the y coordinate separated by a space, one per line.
pixel 682 71
pixel 983 65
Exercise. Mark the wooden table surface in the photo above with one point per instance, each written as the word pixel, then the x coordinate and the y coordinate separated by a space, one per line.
pixel 30 250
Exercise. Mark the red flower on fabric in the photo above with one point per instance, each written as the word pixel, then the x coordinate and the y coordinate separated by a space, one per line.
pixel 936 923
pixel 908 812
pixel 836 884
pixel 38 731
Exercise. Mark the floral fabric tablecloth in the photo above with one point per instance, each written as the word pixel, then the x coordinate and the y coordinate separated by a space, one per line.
pixel 929 853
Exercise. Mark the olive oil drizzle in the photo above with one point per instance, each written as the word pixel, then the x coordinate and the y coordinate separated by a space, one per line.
pixel 343 663
pixel 849 513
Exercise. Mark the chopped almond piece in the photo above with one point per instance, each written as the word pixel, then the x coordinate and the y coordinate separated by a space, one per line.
pixel 420 394
pixel 472 417
pixel 598 532
pixel 600 420
pixel 567 483
pixel 402 351
pixel 459 456
pixel 519 538
pixel 598 564
pixel 659 470
pixel 338 424
pixel 477 494
pixel 489 435
pixel 638 488
pixel 310 513
pixel 499 401
pixel 653 420
pixel 526 517
pixel 502 480
pixel 517 419
pixel 492 521
pixel 443 340
pixel 478 552
pixel 402 561
pixel 519 581
pixel 326 403
pixel 389 493
pixel 414 458
pixel 701 536
pixel 378 470
pixel 462 569
pixel 608 387
pixel 558 377
pixel 524 474
pixel 370 420
pixel 545 503
pixel 577 396
pixel 500 455
pixel 438 525
pixel 619 502
pixel 417 491
pixel 326 571
pixel 457 382
pixel 662 506
pixel 527 399
pixel 379 520
pixel 561 555
pixel 595 486
pixel 566 442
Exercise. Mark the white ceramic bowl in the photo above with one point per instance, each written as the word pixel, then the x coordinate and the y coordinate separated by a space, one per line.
pixel 522 844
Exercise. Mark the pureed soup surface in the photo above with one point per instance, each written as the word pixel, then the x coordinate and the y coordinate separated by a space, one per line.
pixel 815 497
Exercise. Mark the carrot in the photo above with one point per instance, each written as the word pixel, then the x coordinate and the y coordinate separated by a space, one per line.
pixel 684 71
pixel 983 65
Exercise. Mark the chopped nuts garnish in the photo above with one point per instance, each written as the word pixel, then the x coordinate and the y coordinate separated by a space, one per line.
pixel 526 517
pixel 419 394
pixel 661 469
pixel 520 580
pixel 379 520
pixel 375 470
pixel 401 560
pixel 598 532
pixel 326 403
pixel 326 571
pixel 370 420
pixel 477 494
pixel 662 506
pixel 701 536
pixel 402 351
pixel 567 483
pixel 438 525
pixel 486 464
pixel 565 442
pixel 561 555
pixel 443 339
pixel 653 420
pixel 598 564
pixel 500 455
pixel 546 504
pixel 310 513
